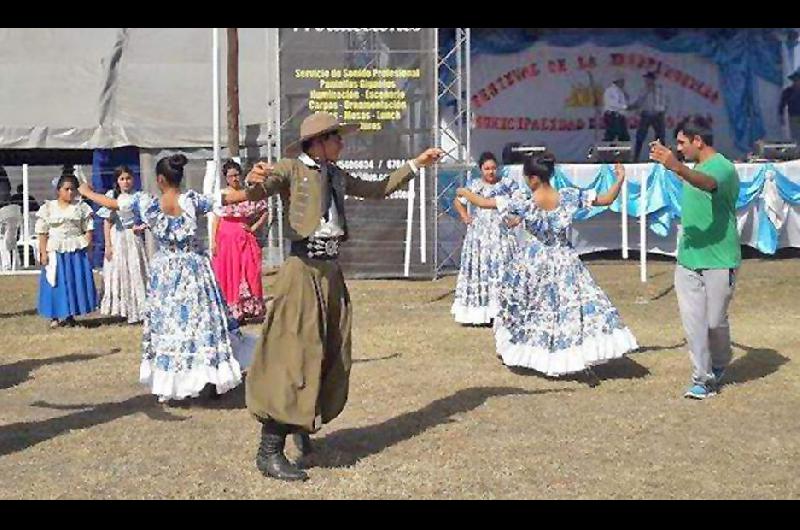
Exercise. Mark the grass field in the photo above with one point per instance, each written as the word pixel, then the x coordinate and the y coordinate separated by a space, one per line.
pixel 432 412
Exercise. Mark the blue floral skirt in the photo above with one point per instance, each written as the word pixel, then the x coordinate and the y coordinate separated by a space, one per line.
pixel 74 292
pixel 553 316
pixel 483 255
pixel 189 338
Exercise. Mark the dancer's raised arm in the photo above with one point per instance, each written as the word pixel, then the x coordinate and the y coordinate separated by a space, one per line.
pixel 611 195
pixel 477 200
pixel 88 193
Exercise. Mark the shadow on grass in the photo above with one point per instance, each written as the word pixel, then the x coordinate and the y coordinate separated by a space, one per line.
pixel 756 363
pixel 622 368
pixel 644 349
pixel 16 437
pixel 17 373
pixel 97 322
pixel 235 399
pixel 346 447
pixel 23 313
pixel 442 296
pixel 663 293
pixel 373 359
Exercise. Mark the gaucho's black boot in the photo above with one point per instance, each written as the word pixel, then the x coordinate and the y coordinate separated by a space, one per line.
pixel 303 442
pixel 270 459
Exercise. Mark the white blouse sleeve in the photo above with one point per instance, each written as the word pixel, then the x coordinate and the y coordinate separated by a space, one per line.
pixel 473 186
pixel 586 198
pixel 135 203
pixel 205 203
pixel 104 212
pixel 87 217
pixel 510 205
pixel 42 225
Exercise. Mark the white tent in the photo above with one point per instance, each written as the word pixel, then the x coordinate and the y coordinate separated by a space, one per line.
pixel 89 88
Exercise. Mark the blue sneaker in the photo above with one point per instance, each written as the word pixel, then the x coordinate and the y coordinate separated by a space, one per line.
pixel 699 392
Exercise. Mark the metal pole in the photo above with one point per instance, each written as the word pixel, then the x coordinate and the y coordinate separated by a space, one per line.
pixel 423 232
pixel 409 222
pixel 437 142
pixel 233 91
pixel 643 229
pixel 215 98
pixel 624 214
pixel 270 135
pixel 276 112
pixel 215 102
pixel 26 224
pixel 468 95
pixel 459 88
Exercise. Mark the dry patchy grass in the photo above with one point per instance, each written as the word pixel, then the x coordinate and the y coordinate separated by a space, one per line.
pixel 432 412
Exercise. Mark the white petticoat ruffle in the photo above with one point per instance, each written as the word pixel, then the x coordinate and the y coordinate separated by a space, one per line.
pixel 57 243
pixel 189 383
pixel 474 315
pixel 594 350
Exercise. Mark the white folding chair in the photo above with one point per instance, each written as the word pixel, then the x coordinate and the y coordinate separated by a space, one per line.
pixel 31 244
pixel 10 220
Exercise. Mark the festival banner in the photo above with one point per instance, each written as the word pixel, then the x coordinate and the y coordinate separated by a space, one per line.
pixel 553 96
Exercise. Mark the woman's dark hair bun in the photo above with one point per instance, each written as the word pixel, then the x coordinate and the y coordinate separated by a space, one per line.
pixel 177 161
pixel 171 168
pixel 541 165
pixel 546 158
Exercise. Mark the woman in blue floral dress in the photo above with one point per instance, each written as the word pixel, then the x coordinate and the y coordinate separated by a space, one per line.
pixel 553 317
pixel 125 264
pixel 489 246
pixel 512 235
pixel 189 338
pixel 479 276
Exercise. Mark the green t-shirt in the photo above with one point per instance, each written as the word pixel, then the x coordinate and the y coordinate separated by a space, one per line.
pixel 710 238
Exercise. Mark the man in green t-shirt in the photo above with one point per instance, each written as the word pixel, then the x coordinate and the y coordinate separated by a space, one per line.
pixel 709 251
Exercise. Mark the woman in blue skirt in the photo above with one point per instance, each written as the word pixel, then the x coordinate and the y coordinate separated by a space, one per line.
pixel 64 227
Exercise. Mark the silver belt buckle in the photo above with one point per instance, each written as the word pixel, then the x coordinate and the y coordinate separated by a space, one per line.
pixel 320 248
pixel 332 247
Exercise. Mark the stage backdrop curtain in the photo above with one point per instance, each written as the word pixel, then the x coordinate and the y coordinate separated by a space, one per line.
pixel 741 54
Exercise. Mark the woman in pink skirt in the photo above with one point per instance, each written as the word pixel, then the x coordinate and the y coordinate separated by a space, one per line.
pixel 237 253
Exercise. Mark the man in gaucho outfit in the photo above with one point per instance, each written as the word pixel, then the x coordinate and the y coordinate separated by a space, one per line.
pixel 300 373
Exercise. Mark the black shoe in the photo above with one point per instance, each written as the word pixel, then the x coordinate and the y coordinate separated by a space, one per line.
pixel 591 378
pixel 303 442
pixel 270 459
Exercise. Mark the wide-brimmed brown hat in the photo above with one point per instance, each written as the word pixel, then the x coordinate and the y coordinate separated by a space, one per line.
pixel 318 124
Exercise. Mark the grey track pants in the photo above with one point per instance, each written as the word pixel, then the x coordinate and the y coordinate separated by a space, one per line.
pixel 703 299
